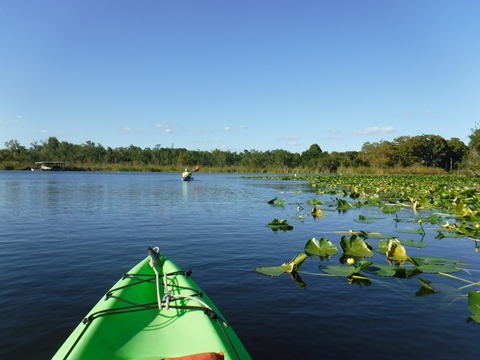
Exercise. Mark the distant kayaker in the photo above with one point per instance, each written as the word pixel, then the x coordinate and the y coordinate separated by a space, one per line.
pixel 186 173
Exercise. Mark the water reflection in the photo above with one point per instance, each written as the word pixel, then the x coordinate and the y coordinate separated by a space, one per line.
pixel 190 187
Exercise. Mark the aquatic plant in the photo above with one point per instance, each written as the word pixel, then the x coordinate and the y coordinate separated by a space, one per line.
pixel 283 225
pixel 452 207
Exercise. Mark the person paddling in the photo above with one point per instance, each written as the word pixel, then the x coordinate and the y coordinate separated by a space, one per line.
pixel 186 173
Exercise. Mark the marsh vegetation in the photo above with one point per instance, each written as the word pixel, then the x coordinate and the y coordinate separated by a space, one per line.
pixel 421 154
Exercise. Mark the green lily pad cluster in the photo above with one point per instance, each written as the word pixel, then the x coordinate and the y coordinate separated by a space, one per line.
pixel 276 201
pixel 453 205
pixel 283 225
pixel 359 271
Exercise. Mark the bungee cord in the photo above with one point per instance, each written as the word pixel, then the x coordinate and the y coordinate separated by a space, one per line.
pixel 168 296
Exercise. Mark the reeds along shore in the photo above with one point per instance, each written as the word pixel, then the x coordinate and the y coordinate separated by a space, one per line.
pixel 137 167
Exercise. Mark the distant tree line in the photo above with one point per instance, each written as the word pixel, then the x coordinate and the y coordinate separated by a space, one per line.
pixel 426 151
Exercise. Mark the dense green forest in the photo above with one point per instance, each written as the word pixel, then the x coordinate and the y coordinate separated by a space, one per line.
pixel 422 153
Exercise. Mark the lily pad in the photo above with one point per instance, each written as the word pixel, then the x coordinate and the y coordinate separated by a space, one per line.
pixel 273 270
pixel 410 231
pixel 290 267
pixel 355 246
pixel 390 209
pixel 276 201
pixel 298 260
pixel 426 289
pixel 474 305
pixel 280 225
pixel 381 270
pixel 413 243
pixel 376 235
pixel 343 205
pixel 322 247
pixel 339 270
pixel 435 269
pixel 382 247
pixel 364 220
pixel 434 219
pixel 314 202
pixel 345 271
pixel 436 260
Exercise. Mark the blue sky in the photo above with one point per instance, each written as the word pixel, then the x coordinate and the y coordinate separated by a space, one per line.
pixel 236 75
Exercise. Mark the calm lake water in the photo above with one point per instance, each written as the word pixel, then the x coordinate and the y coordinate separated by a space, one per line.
pixel 67 237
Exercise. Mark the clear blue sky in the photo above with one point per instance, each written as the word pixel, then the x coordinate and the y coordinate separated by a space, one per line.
pixel 236 75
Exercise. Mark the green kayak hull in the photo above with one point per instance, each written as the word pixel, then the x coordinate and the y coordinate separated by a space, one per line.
pixel 129 322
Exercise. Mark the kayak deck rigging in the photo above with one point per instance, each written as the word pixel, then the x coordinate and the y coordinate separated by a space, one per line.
pixel 167 303
pixel 155 311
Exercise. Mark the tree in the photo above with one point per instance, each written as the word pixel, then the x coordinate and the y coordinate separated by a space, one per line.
pixel 474 143
pixel 379 155
pixel 16 152
pixel 332 161
pixel 432 149
pixel 404 152
pixel 456 152
pixel 471 161
pixel 51 146
pixel 311 156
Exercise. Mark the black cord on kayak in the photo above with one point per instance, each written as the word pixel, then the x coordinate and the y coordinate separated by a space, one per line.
pixel 211 314
pixel 223 325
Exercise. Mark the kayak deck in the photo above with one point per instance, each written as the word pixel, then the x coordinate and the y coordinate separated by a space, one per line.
pixel 128 323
